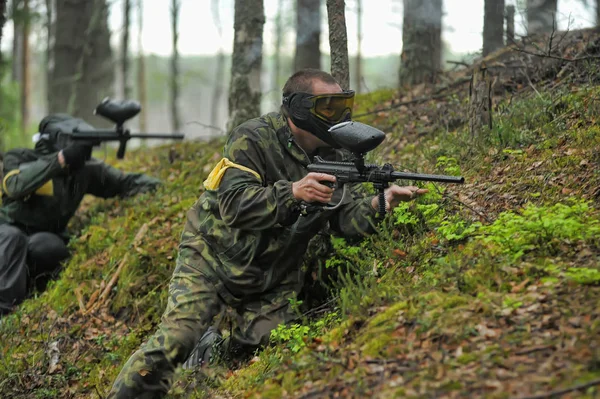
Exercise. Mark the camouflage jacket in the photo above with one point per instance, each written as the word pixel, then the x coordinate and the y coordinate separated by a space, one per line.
pixel 38 195
pixel 247 233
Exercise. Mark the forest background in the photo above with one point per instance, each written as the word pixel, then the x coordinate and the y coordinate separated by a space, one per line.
pixel 205 43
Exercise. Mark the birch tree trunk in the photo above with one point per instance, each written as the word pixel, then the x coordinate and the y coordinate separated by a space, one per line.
pixel 125 49
pixel 421 57
pixel 141 71
pixel 220 70
pixel 245 88
pixel 359 33
pixel 541 16
pixel 81 63
pixel 308 34
pixel 493 26
pixel 338 42
pixel 174 83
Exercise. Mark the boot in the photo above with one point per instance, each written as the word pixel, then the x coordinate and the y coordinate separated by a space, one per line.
pixel 206 349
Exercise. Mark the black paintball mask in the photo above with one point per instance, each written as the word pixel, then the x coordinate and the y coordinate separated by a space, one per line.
pixel 317 113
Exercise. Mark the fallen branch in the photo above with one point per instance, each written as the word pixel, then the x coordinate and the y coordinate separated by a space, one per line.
pixel 556 57
pixel 112 281
pixel 560 392
pixel 534 349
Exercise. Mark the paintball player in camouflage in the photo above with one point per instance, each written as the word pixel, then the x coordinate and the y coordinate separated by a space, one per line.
pixel 245 237
pixel 41 190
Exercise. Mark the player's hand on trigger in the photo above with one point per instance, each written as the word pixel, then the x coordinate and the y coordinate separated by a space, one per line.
pixel 312 188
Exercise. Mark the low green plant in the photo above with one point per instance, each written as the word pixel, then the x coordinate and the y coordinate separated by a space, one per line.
pixel 542 228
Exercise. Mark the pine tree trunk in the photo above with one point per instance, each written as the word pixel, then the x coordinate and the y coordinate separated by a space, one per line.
pixel 174 84
pixel 125 49
pixel 17 45
pixel 338 42
pixel 245 89
pixel 220 70
pixel 510 24
pixel 421 57
pixel 308 34
pixel 277 53
pixel 141 72
pixel 49 44
pixel 358 83
pixel 25 75
pixel 2 22
pixel 541 16
pixel 493 26
pixel 81 62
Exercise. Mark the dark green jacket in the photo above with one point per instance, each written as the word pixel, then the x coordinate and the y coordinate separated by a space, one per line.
pixel 249 229
pixel 38 195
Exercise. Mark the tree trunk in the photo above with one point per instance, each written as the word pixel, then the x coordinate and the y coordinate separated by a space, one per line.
pixel 2 22
pixel 175 118
pixel 308 34
pixel 245 90
pixel 597 12
pixel 510 24
pixel 17 46
pixel 141 71
pixel 25 75
pixel 220 70
pixel 480 102
pixel 82 72
pixel 421 57
pixel 338 42
pixel 358 83
pixel 49 43
pixel 493 26
pixel 277 53
pixel 541 16
pixel 125 49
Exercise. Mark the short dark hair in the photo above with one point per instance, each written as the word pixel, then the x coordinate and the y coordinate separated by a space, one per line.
pixel 302 80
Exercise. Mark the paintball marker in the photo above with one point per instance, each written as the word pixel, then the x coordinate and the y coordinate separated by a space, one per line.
pixel 359 139
pixel 118 112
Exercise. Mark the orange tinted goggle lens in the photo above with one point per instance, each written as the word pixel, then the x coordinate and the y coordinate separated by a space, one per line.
pixel 333 107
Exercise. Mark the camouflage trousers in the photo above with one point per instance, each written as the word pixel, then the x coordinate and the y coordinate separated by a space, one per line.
pixel 194 303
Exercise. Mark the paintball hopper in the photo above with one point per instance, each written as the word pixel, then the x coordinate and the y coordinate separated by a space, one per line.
pixel 356 137
pixel 118 111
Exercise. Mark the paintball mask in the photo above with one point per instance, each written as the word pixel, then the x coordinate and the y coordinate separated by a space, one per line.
pixel 317 113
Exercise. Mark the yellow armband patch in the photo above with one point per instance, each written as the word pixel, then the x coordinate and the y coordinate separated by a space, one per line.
pixel 9 174
pixel 213 181
pixel 46 190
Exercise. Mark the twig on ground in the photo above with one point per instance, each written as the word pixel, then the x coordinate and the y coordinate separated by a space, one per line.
pixel 534 349
pixel 468 206
pixel 560 392
pixel 112 281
